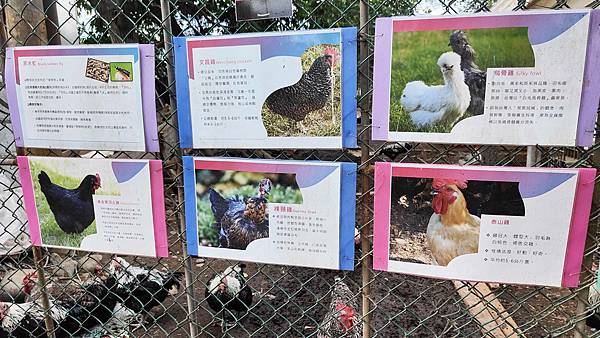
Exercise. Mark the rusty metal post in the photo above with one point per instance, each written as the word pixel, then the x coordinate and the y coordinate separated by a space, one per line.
pixel 38 258
pixel 364 77
pixel 52 22
pixel 171 136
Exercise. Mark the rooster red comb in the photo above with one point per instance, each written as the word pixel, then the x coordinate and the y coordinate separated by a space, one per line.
pixel 438 183
pixel 333 52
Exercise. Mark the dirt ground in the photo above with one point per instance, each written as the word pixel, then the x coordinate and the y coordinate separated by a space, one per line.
pixel 408 231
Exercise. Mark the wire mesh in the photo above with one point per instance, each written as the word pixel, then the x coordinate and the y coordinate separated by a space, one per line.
pixel 288 301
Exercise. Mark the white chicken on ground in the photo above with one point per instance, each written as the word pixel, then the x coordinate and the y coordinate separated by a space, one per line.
pixel 442 103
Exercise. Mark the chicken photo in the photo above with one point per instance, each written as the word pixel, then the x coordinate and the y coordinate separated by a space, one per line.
pixel 474 77
pixel 312 92
pixel 452 231
pixel 445 103
pixel 240 221
pixel 73 209
pixel 141 289
pixel 227 291
pixel 342 318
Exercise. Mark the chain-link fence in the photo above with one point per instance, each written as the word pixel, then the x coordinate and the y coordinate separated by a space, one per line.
pixel 288 301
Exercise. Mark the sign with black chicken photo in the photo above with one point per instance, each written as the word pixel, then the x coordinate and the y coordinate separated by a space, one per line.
pixel 102 205
pixel 280 212
pixel 488 78
pixel 267 90
pixel 488 224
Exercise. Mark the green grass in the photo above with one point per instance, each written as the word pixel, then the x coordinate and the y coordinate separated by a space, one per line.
pixel 51 232
pixel 206 219
pixel 322 122
pixel 415 55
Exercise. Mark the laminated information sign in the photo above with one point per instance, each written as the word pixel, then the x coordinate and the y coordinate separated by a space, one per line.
pixel 104 205
pixel 88 97
pixel 490 224
pixel 488 78
pixel 280 212
pixel 267 90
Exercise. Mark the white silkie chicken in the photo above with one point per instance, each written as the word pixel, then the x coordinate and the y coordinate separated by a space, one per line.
pixel 446 103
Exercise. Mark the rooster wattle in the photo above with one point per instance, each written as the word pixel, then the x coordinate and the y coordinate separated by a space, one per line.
pixel 452 231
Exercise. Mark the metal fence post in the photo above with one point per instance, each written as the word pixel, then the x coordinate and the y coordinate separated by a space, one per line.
pixel 165 11
pixel 365 182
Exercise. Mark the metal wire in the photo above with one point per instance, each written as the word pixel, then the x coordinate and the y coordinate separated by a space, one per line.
pixel 289 301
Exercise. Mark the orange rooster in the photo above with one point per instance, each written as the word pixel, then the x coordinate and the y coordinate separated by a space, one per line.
pixel 452 231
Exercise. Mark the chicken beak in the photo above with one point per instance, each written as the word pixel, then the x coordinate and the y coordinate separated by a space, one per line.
pixel 434 192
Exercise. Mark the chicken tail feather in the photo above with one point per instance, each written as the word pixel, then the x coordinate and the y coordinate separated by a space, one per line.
pixel 218 204
pixel 44 180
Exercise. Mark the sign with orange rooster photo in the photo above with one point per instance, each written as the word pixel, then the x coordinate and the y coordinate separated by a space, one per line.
pixel 488 78
pixel 103 205
pixel 488 224
pixel 97 97
pixel 267 90
pixel 279 212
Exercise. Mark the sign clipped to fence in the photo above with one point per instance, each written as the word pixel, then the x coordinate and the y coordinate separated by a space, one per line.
pixel 89 97
pixel 104 205
pixel 267 90
pixel 488 79
pixel 509 225
pixel 280 212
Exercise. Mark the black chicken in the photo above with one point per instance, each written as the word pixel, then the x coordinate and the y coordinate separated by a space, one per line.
pixel 86 306
pixel 79 307
pixel 229 290
pixel 141 289
pixel 73 209
pixel 494 198
pixel 312 92
pixel 240 221
pixel 474 77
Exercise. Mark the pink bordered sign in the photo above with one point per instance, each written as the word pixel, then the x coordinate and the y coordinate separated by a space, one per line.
pixel 490 224
pixel 102 205
pixel 488 78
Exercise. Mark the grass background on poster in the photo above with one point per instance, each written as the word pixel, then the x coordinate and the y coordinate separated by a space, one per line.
pixel 415 55
pixel 50 231
pixel 322 122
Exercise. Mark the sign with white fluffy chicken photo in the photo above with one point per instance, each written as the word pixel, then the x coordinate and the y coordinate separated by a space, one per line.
pixel 297 213
pixel 487 224
pixel 102 205
pixel 267 90
pixel 488 78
